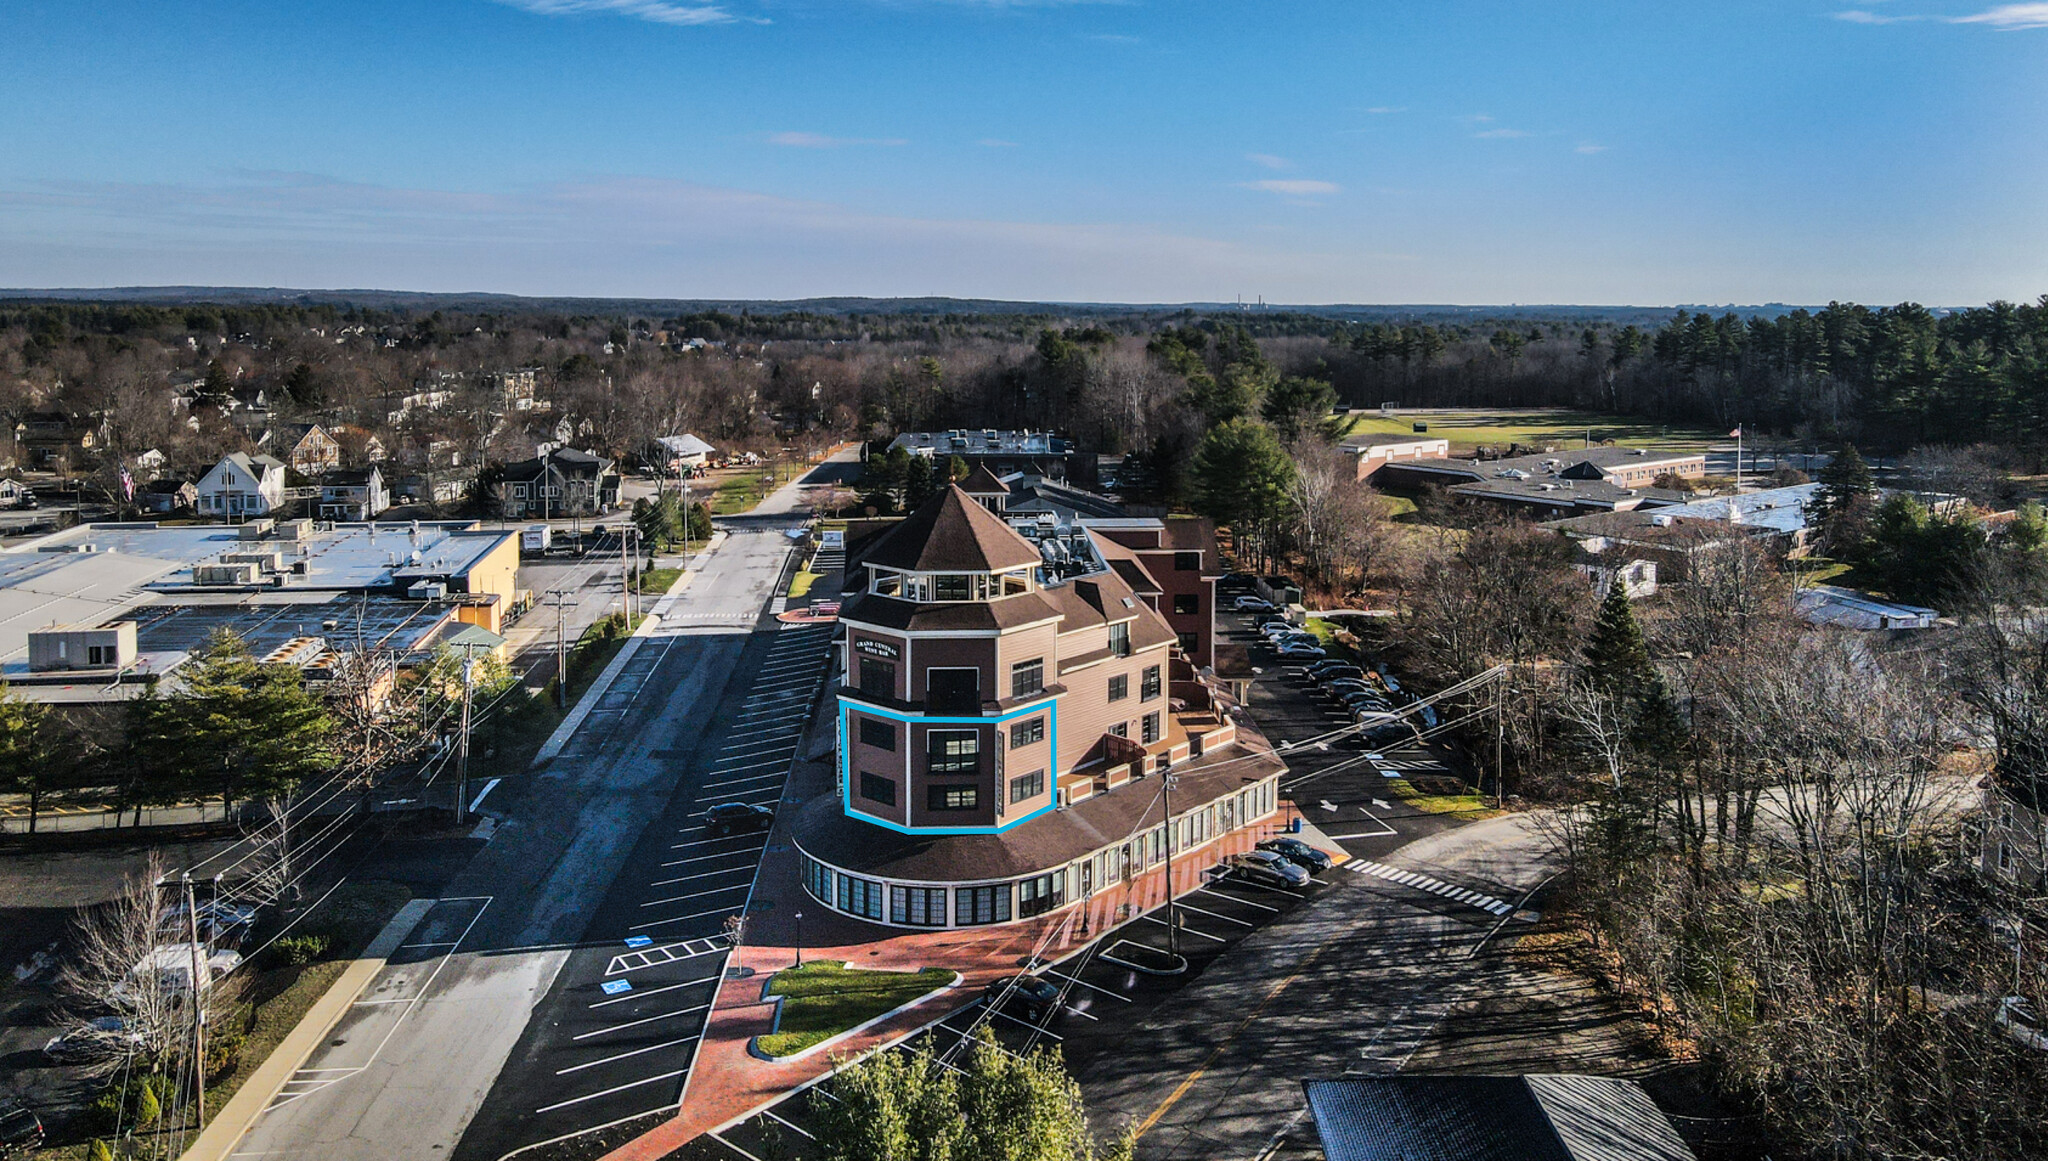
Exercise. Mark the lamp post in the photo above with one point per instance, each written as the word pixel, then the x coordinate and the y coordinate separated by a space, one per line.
pixel 799 939
pixel 1172 922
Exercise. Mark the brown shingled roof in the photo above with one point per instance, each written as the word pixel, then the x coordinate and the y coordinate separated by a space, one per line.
pixel 952 532
pixel 982 482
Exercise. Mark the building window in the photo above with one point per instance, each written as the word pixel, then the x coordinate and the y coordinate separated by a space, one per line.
pixel 950 587
pixel 1148 686
pixel 99 654
pixel 1028 787
pixel 877 677
pixel 918 906
pixel 953 691
pixel 876 788
pixel 1120 639
pixel 953 797
pixel 952 751
pixel 1042 894
pixel 1121 729
pixel 1187 562
pixel 1190 643
pixel 1187 603
pixel 1027 677
pixel 1120 687
pixel 519 491
pixel 1027 733
pixel 1148 728
pixel 878 733
pixel 818 880
pixel 862 897
pixel 976 905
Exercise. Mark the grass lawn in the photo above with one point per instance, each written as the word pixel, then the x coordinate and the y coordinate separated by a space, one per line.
pixel 1471 806
pixel 657 580
pixel 821 1000
pixel 743 491
pixel 1499 427
pixel 800 584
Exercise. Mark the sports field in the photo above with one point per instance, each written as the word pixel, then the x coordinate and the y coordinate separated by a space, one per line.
pixel 1499 427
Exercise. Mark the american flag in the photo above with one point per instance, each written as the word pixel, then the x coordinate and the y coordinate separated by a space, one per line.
pixel 127 483
pixel 1736 434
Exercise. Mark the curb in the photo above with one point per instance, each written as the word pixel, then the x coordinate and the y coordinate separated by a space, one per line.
pixel 596 691
pixel 239 1115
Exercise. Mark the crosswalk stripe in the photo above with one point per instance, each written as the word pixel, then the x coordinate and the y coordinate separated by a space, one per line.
pixel 1434 886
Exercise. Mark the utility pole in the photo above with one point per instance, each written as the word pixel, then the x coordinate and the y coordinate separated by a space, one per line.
pixel 198 1005
pixel 462 744
pixel 1500 737
pixel 625 575
pixel 560 597
pixel 1172 923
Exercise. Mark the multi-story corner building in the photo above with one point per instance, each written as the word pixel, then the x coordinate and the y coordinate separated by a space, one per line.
pixel 1007 711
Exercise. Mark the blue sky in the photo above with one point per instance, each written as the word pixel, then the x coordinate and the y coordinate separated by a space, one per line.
pixel 1146 150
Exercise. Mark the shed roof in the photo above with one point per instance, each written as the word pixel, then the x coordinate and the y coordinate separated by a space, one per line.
pixel 1543 1117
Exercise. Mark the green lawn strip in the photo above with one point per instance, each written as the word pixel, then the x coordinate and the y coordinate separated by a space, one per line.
pixel 1470 806
pixel 657 580
pixel 800 585
pixel 740 493
pixel 821 1000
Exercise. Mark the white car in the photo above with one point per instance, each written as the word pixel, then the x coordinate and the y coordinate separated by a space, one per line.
pixel 1252 605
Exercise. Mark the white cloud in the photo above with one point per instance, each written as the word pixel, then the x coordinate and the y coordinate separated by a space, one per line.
pixel 1501 134
pixel 1589 147
pixel 1269 161
pixel 2010 17
pixel 796 140
pixel 1292 187
pixel 658 11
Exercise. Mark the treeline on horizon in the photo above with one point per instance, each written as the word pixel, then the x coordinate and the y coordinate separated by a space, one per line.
pixel 1888 379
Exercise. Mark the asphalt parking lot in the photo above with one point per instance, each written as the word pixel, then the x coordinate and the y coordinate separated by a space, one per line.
pixel 617 1032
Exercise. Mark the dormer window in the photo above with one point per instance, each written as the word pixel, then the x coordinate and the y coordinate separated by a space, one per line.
pixel 952 587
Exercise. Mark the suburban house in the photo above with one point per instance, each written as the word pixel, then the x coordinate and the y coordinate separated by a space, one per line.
pixel 14 493
pixel 564 482
pixel 167 494
pixel 54 440
pixel 1373 455
pixel 353 494
pixel 1006 714
pixel 308 447
pixel 2015 832
pixel 241 485
pixel 515 389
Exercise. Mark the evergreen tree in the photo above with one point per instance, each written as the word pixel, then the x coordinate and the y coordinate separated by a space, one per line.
pixel 1241 476
pixel 31 760
pixel 241 729
pixel 1617 661
pixel 1842 504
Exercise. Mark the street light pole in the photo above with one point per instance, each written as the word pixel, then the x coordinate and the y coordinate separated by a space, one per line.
pixel 462 745
pixel 799 939
pixel 1172 923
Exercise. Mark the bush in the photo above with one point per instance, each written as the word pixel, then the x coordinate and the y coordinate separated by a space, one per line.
pixel 131 1103
pixel 300 950
pixel 224 1052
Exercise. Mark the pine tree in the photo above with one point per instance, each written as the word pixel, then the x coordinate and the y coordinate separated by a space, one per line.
pixel 1842 505
pixel 1617 661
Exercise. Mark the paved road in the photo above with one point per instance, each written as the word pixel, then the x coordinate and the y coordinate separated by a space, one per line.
pixel 417 1058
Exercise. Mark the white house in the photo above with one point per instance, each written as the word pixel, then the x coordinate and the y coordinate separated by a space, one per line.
pixel 683 451
pixel 353 494
pixel 241 485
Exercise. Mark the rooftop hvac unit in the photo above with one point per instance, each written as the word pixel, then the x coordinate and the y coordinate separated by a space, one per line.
pixel 256 529
pixel 224 574
pixel 294 530
pixel 428 591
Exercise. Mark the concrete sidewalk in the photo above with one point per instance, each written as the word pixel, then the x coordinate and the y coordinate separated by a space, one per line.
pixel 220 1136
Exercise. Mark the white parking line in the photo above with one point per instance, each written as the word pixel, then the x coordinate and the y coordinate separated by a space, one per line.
pixel 738 781
pixel 770 1114
pixel 680 919
pixel 607 1092
pixel 1234 899
pixel 1026 1024
pixel 702 858
pixel 1089 986
pixel 733 794
pixel 694 895
pixel 1185 906
pixel 724 838
pixel 736 1148
pixel 721 768
pixel 623 1056
pixel 636 1023
pixel 1185 928
pixel 641 995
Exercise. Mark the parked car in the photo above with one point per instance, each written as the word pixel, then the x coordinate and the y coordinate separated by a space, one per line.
pixel 1367 700
pixel 221 923
pixel 21 1131
pixel 1266 869
pixel 731 817
pixel 1299 853
pixel 1344 685
pixel 1322 667
pixel 167 971
pixel 105 1036
pixel 1301 650
pixel 1250 604
pixel 1267 628
pixel 1035 996
pixel 1328 671
pixel 1387 679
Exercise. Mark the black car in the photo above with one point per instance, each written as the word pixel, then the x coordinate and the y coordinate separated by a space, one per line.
pixel 1299 853
pixel 730 817
pixel 1035 996
pixel 21 1132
